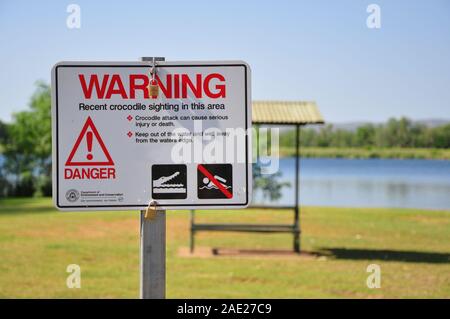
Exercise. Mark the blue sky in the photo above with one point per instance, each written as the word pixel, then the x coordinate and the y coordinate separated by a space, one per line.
pixel 298 50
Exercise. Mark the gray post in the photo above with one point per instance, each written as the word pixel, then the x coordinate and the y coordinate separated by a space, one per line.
pixel 297 195
pixel 153 250
pixel 153 256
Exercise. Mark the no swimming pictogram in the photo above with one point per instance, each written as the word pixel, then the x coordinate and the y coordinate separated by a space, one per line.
pixel 215 181
pixel 92 152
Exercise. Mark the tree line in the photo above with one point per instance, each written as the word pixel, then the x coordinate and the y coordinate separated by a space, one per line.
pixel 394 133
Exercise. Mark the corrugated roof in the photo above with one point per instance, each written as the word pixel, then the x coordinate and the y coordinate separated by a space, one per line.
pixel 285 112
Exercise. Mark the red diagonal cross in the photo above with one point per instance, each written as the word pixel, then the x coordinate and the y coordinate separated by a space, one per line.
pixel 205 172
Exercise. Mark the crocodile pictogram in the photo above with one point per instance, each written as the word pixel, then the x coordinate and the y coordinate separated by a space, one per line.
pixel 161 182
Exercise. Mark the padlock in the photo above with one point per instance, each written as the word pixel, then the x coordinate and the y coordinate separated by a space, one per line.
pixel 153 89
pixel 150 212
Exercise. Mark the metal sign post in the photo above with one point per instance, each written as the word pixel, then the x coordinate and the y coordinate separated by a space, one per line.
pixel 153 255
pixel 153 248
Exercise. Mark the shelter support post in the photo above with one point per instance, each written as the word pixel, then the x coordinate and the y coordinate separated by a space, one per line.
pixel 297 195
pixel 192 238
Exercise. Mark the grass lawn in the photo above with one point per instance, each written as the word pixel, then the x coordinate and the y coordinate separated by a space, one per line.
pixel 411 246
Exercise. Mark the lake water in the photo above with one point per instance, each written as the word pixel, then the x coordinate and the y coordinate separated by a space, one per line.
pixel 367 183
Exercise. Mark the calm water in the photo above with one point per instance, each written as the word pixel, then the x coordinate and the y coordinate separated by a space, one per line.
pixel 367 183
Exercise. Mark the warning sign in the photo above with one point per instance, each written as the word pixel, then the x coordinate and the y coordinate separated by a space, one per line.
pixel 119 145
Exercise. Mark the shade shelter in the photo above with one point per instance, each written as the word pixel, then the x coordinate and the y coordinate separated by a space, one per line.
pixel 278 113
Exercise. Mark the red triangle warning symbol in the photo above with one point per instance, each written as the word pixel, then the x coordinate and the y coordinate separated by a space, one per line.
pixel 92 140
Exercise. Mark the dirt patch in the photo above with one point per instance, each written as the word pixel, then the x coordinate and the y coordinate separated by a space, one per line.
pixel 209 252
pixel 429 220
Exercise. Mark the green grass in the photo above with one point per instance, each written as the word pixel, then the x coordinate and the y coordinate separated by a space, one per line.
pixel 349 152
pixel 411 246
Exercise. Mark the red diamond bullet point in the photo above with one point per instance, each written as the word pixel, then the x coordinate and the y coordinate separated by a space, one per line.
pixel 129 118
pixel 129 134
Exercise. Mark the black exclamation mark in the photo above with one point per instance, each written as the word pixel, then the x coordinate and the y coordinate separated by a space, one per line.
pixel 89 145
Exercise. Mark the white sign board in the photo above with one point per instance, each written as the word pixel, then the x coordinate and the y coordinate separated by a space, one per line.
pixel 117 147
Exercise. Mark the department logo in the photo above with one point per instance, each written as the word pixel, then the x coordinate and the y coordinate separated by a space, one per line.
pixel 72 195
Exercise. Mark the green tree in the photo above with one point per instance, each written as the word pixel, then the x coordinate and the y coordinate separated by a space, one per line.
pixel 441 136
pixel 268 184
pixel 307 137
pixel 324 136
pixel 419 136
pixel 365 135
pixel 342 138
pixel 3 134
pixel 27 148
